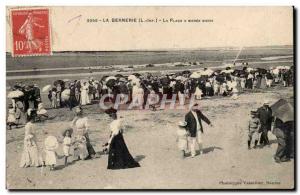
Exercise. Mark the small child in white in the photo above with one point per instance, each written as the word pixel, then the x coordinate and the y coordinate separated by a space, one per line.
pixel 67 144
pixel 51 144
pixel 182 138
pixel 11 119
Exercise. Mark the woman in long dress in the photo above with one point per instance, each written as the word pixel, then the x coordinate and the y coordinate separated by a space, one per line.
pixel 80 126
pixel 84 94
pixel 118 155
pixel 30 155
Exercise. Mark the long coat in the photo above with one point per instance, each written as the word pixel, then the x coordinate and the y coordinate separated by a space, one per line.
pixel 265 117
pixel 192 123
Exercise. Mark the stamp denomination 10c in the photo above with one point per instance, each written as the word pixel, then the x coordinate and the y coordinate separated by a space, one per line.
pixel 30 32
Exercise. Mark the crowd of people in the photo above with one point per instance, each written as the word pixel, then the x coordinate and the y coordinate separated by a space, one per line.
pixel 27 106
pixel 185 84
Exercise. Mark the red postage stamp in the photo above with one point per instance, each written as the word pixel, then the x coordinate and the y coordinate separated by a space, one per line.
pixel 30 32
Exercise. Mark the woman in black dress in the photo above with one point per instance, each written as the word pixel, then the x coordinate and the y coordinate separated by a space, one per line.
pixel 118 155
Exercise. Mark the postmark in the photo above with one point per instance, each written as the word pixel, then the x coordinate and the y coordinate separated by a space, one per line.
pixel 30 32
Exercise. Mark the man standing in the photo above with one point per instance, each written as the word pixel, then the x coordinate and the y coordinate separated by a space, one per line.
pixel 194 127
pixel 265 117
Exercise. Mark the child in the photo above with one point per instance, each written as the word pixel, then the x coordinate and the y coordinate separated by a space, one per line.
pixel 51 145
pixel 11 119
pixel 253 127
pixel 67 144
pixel 182 138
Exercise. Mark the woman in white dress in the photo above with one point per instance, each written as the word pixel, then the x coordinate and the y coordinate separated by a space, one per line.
pixel 30 155
pixel 80 126
pixel 84 94
pixel 137 95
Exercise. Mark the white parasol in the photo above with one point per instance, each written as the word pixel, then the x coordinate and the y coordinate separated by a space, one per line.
pixel 15 94
pixel 132 77
pixel 65 95
pixel 207 72
pixel 180 78
pixel 228 71
pixel 110 78
pixel 195 75
pixel 46 88
pixel 249 69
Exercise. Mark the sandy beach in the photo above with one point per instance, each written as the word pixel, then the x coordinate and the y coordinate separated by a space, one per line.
pixel 151 138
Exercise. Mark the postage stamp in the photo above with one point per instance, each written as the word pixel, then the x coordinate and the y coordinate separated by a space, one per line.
pixel 30 32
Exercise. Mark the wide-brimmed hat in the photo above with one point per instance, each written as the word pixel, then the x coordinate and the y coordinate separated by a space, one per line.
pixel 266 102
pixel 182 123
pixel 64 132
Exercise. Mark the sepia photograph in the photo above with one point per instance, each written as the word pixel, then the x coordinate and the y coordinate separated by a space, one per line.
pixel 150 98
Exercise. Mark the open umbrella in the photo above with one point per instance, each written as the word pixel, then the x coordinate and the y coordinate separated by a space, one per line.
pixel 122 79
pixel 110 83
pixel 15 94
pixel 207 72
pixel 60 82
pixel 137 74
pixel 227 71
pixel 132 77
pixel 65 95
pixel 46 88
pixel 119 75
pixel 186 72
pixel 262 70
pixel 180 78
pixel 195 75
pixel 110 78
pixel 283 110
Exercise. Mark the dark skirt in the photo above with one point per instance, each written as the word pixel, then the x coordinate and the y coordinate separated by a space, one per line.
pixel 119 156
pixel 89 146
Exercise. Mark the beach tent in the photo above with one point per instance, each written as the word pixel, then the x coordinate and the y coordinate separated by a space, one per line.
pixel 283 110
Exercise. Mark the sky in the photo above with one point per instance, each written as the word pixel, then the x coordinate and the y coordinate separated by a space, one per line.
pixel 231 27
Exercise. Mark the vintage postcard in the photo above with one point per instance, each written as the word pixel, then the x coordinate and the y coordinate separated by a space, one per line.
pixel 153 98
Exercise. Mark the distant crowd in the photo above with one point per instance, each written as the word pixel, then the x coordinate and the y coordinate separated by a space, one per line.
pixel 185 84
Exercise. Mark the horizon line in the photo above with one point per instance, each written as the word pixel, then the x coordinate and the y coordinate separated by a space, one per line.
pixel 169 49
